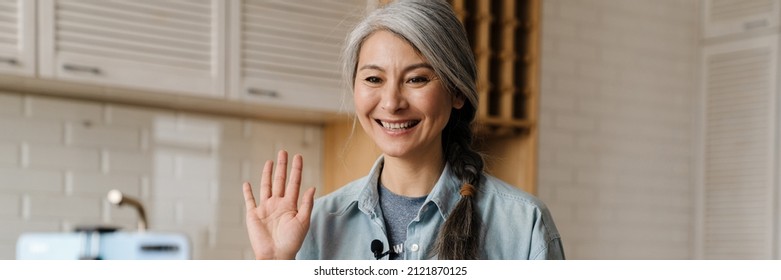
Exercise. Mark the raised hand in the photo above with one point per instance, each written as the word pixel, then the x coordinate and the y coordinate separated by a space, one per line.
pixel 277 225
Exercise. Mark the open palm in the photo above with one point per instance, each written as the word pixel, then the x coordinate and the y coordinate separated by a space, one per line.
pixel 277 225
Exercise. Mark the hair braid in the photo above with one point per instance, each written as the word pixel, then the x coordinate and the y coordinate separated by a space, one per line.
pixel 459 237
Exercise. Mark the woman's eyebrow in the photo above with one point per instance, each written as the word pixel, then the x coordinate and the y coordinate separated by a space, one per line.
pixel 418 65
pixel 406 69
pixel 371 66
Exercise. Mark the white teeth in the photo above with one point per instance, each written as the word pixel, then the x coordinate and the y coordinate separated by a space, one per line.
pixel 397 126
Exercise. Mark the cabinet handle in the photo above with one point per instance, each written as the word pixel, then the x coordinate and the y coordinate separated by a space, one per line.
pixel 263 92
pixel 9 60
pixel 82 68
pixel 754 24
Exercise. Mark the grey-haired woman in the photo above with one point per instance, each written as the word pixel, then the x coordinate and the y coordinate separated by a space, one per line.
pixel 412 73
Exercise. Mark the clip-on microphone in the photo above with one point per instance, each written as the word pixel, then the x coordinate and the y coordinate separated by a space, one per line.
pixel 377 247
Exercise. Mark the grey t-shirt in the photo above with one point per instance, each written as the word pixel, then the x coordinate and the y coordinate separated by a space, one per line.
pixel 398 211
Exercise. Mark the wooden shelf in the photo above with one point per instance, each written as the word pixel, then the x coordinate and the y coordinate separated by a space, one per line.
pixel 488 127
pixel 504 40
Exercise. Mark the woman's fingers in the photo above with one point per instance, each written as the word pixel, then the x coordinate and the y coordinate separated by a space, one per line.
pixel 280 185
pixel 280 175
pixel 294 182
pixel 265 180
pixel 249 198
pixel 305 209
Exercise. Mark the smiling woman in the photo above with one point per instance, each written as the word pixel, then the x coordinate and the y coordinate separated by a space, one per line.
pixel 412 73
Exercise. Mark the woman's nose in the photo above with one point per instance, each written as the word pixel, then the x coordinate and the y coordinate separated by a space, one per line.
pixel 392 98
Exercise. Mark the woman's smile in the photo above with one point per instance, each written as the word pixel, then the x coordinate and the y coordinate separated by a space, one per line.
pixel 398 126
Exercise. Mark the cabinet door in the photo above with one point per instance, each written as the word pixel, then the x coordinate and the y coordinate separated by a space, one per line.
pixel 17 37
pixel 175 46
pixel 726 17
pixel 739 150
pixel 286 53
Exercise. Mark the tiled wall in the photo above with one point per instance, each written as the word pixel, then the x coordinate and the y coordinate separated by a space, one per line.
pixel 618 84
pixel 59 158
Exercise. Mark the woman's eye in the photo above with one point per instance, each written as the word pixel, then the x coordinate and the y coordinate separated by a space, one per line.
pixel 373 80
pixel 418 80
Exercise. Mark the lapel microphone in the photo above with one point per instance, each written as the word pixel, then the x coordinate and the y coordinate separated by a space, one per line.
pixel 377 247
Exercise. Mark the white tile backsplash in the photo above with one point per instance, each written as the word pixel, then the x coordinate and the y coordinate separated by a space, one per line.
pixel 31 131
pixel 10 104
pixel 125 115
pixel 10 207
pixel 58 110
pixel 48 207
pixel 15 180
pixel 126 162
pixel 45 157
pixel 186 168
pixel 618 79
pixel 196 166
pixel 92 183
pixel 10 154
pixel 102 136
pixel 11 229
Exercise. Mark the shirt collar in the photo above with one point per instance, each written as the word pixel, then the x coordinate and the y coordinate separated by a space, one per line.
pixel 444 195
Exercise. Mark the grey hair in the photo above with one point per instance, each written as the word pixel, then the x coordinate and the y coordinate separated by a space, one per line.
pixel 433 30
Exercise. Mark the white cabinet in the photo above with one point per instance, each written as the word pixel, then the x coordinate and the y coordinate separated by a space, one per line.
pixel 286 53
pixel 271 54
pixel 727 17
pixel 172 46
pixel 740 147
pixel 17 37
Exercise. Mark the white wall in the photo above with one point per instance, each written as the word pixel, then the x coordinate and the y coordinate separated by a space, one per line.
pixel 616 131
pixel 59 158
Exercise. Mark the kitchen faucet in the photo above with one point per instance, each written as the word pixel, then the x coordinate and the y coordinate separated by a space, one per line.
pixel 116 197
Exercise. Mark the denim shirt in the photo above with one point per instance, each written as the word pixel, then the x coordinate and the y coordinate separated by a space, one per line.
pixel 515 224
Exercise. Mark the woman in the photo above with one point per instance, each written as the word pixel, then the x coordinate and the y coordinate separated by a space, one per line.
pixel 412 73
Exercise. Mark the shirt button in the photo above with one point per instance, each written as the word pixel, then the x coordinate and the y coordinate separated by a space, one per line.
pixel 414 247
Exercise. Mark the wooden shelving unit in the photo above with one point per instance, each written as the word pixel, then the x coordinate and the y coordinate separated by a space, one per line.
pixel 504 39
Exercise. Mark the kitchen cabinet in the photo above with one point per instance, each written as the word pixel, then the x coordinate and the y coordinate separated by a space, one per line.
pixel 286 53
pixel 733 17
pixel 17 41
pixel 170 46
pixel 231 57
pixel 740 148
pixel 280 54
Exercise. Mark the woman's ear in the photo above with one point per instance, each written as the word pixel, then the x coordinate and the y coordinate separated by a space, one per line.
pixel 458 101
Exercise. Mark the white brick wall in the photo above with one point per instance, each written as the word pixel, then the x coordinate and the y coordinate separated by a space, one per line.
pixel 59 158
pixel 618 81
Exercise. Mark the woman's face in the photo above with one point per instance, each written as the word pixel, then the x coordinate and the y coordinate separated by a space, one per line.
pixel 401 103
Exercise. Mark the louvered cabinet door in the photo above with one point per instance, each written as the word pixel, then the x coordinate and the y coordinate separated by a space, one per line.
pixel 172 46
pixel 726 17
pixel 17 37
pixel 285 53
pixel 740 191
